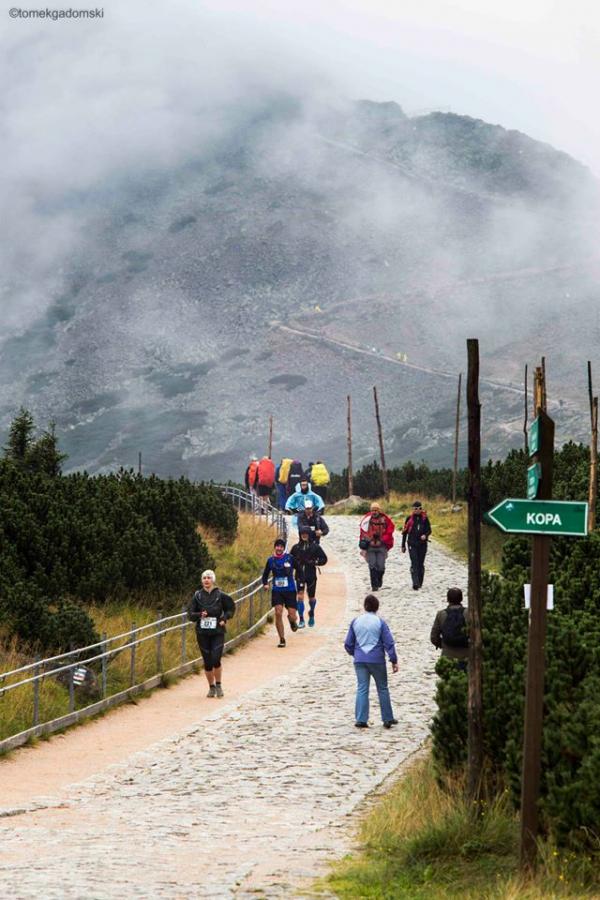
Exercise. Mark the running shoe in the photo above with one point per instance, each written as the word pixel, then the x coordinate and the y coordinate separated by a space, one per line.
pixel 219 690
pixel 212 691
pixel 294 626
pixel 311 621
pixel 281 643
pixel 301 624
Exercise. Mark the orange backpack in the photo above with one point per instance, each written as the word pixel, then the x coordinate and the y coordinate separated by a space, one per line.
pixel 266 472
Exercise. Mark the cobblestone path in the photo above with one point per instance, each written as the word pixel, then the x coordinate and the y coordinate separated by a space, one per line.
pixel 253 799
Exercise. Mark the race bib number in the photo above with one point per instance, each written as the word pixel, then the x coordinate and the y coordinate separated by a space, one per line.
pixel 280 582
pixel 208 622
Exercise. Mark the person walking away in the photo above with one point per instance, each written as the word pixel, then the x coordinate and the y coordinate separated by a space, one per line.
pixel 210 609
pixel 283 587
pixel 250 477
pixel 308 471
pixel 368 641
pixel 281 485
pixel 307 556
pixel 284 474
pixel 450 629
pixel 295 476
pixel 265 479
pixel 376 539
pixel 415 532
pixel 315 521
pixel 320 478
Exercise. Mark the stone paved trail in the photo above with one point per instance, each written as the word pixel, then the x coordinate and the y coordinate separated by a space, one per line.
pixel 252 800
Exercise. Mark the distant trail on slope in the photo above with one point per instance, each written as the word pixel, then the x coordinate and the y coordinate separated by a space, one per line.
pixel 441 373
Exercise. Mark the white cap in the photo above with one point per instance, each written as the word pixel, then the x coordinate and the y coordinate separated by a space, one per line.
pixel 308 504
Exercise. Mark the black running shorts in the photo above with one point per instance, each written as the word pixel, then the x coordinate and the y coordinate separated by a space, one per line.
pixel 284 598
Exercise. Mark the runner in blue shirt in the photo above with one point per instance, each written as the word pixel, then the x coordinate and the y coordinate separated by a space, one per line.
pixel 283 588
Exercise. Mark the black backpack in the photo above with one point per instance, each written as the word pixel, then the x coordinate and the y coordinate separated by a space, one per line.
pixel 454 629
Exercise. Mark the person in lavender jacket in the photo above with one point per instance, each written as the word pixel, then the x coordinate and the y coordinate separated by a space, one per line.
pixel 368 640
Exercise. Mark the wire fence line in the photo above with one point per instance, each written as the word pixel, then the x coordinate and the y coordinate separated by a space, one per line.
pixel 86 671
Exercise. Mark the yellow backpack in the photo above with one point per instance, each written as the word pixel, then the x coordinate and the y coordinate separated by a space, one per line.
pixel 284 470
pixel 319 475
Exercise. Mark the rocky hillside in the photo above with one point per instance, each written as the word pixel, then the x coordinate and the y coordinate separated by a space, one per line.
pixel 306 253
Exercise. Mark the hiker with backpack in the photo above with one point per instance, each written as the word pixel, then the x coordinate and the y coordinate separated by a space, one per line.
pixel 265 479
pixel 375 540
pixel 415 533
pixel 450 630
pixel 319 478
pixel 210 609
pixel 315 521
pixel 295 476
pixel 283 587
pixel 251 474
pixel 368 641
pixel 307 555
pixel 281 477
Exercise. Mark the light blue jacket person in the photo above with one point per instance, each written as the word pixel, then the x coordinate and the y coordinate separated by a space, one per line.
pixel 295 502
pixel 368 641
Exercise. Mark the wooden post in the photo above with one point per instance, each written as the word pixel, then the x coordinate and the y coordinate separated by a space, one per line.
pixel 104 664
pixel 132 641
pixel 140 463
pixel 525 436
pixel 593 487
pixel 475 671
pixel 536 640
pixel 456 435
pixel 270 453
pixel 386 490
pixel 350 473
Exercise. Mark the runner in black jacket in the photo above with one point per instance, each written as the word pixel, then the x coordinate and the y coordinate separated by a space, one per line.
pixel 307 555
pixel 317 524
pixel 416 531
pixel 210 609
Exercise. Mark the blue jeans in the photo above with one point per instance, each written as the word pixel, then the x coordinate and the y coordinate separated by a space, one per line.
pixel 363 678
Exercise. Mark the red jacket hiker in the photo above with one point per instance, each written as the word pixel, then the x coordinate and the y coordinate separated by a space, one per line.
pixel 377 528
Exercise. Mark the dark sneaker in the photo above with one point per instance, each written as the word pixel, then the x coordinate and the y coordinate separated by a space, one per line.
pixel 389 723
pixel 281 643
pixel 361 724
pixel 311 621
pixel 219 690
pixel 293 625
pixel 212 691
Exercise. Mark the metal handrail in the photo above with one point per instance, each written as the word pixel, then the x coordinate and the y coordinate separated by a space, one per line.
pixel 243 498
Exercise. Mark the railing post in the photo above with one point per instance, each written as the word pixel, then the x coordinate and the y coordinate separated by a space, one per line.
pixel 36 693
pixel 104 661
pixel 159 664
pixel 183 635
pixel 71 689
pixel 132 641
pixel 250 610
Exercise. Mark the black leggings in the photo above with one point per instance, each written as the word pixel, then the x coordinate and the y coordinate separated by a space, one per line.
pixel 211 648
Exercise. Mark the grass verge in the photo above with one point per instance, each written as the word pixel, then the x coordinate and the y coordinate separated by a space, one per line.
pixel 420 842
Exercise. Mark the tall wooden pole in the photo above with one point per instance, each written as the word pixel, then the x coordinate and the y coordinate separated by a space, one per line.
pixel 386 490
pixel 270 453
pixel 536 640
pixel 140 462
pixel 456 435
pixel 350 474
pixel 593 487
pixel 525 437
pixel 475 671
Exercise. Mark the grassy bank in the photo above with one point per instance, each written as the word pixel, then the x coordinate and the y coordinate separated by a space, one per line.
pixel 420 843
pixel 236 564
pixel 448 527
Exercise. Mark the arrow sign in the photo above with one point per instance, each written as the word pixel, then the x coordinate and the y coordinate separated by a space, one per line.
pixel 540 517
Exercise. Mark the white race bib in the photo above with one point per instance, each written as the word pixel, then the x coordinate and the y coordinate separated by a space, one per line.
pixel 280 582
pixel 208 622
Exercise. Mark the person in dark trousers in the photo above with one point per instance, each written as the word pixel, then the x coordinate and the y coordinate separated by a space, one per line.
pixel 281 488
pixel 295 476
pixel 368 641
pixel 315 521
pixel 450 629
pixel 283 588
pixel 376 539
pixel 307 556
pixel 210 609
pixel 415 533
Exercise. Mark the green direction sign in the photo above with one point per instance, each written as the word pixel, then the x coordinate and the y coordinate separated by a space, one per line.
pixel 534 437
pixel 541 517
pixel 534 473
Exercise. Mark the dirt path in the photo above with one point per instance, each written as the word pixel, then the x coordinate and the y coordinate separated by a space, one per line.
pixel 241 799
